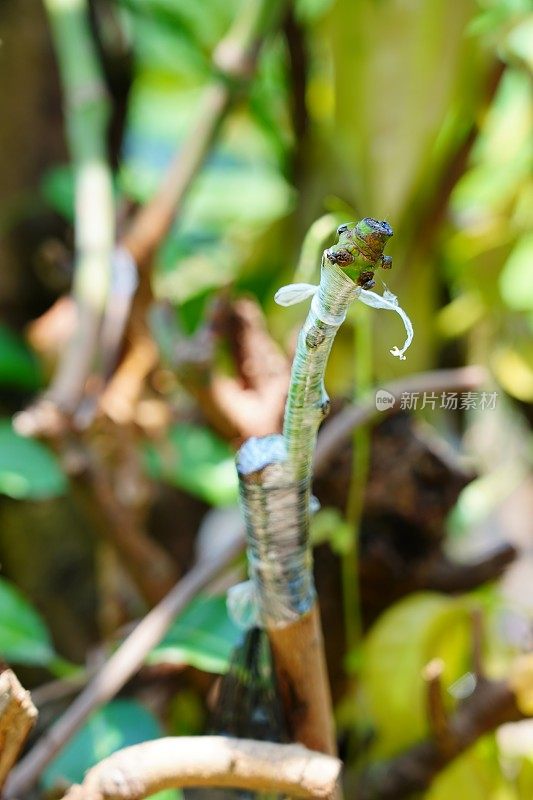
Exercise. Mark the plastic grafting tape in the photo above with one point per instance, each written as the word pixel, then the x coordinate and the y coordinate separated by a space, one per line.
pixel 275 509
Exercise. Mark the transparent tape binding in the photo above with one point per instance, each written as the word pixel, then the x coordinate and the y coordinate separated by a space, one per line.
pixel 327 294
pixel 308 402
pixel 276 514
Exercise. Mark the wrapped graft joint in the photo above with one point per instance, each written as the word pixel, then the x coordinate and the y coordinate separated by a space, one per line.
pixel 275 475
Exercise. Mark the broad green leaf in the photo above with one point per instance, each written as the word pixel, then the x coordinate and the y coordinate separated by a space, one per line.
pixel 184 272
pixel 203 636
pixel 18 366
pixel 24 638
pixel 28 470
pixel 194 459
pixel 119 724
pixel 520 38
pixel 405 638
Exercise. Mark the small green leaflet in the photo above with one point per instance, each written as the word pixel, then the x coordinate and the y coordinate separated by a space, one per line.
pixel 203 636
pixel 28 470
pixel 18 365
pixel 57 188
pixel 193 458
pixel 24 638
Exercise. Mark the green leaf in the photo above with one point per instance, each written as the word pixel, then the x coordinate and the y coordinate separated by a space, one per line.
pixel 18 366
pixel 406 637
pixel 28 470
pixel 194 459
pixel 309 11
pixel 57 188
pixel 24 638
pixel 328 525
pixel 516 285
pixel 119 724
pixel 203 636
pixel 475 774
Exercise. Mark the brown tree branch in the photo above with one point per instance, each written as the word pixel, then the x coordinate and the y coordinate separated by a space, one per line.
pixel 150 566
pixel 139 771
pixel 437 714
pixel 452 577
pixel 250 403
pixel 336 432
pixel 17 718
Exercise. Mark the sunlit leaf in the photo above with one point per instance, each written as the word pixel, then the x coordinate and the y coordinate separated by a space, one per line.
pixel 520 38
pixel 513 368
pixel 328 525
pixel 502 156
pixel 178 34
pixel 194 459
pixel 516 284
pixel 475 775
pixel 24 638
pixel 119 724
pixel 203 636
pixel 404 639
pixel 309 11
pixel 28 470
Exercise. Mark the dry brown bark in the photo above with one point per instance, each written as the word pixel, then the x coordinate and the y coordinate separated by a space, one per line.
pixel 17 718
pixel 144 769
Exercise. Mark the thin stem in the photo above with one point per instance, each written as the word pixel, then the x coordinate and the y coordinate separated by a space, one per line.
pixel 362 329
pixel 87 114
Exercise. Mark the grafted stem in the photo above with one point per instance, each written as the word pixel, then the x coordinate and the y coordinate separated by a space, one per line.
pixel 275 479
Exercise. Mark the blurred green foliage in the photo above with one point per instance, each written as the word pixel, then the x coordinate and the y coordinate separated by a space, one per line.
pixel 18 366
pixel 24 638
pixel 435 627
pixel 28 469
pixel 203 636
pixel 191 457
